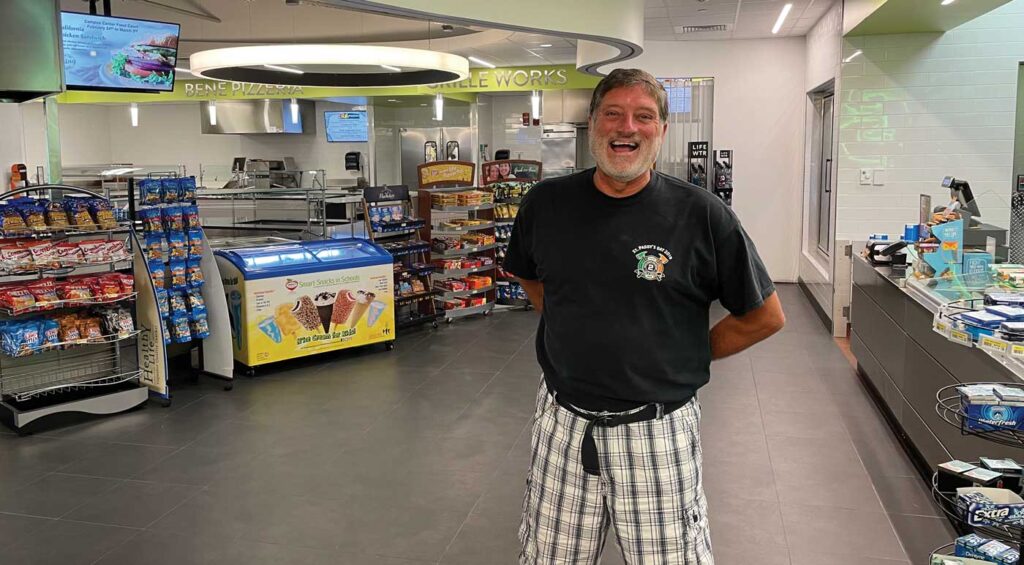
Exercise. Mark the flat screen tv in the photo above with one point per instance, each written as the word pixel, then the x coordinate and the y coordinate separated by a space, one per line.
pixel 351 127
pixel 118 54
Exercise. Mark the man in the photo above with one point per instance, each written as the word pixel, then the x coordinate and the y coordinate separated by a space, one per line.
pixel 623 263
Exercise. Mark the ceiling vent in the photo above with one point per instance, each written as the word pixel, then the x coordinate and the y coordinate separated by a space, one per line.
pixel 702 29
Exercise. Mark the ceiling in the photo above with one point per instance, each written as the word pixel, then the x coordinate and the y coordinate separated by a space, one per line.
pixel 746 19
pixel 249 22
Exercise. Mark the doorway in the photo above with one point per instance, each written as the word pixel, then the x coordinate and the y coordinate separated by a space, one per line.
pixel 821 235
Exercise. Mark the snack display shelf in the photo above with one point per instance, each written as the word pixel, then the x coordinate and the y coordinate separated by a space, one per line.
pixel 438 230
pixel 487 206
pixel 411 250
pixel 425 270
pixel 451 273
pixel 414 321
pixel 513 200
pixel 22 275
pixel 469 292
pixel 411 298
pixel 504 222
pixel 121 228
pixel 70 303
pixel 997 529
pixel 400 227
pixel 950 409
pixel 65 345
pixel 470 311
pixel 463 251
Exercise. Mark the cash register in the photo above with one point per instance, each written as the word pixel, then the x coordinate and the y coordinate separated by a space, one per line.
pixel 976 232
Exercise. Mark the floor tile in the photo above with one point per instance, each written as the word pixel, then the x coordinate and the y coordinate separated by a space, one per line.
pixel 811 528
pixel 921 535
pixel 13 527
pixel 67 543
pixel 54 495
pixel 133 504
pixel 815 558
pixel 118 461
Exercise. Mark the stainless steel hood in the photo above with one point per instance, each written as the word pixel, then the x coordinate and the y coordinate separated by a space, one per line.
pixel 30 50
pixel 258 117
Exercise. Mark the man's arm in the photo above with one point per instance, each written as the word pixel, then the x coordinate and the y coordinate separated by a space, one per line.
pixel 535 291
pixel 736 333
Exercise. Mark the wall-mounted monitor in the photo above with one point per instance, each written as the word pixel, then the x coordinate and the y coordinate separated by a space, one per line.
pixel 118 54
pixel 349 126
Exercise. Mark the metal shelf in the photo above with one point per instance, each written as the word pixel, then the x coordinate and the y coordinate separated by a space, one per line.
pixel 416 272
pixel 28 232
pixel 67 304
pixel 82 269
pixel 411 298
pixel 65 345
pixel 462 293
pixel 995 529
pixel 437 230
pixel 472 310
pixel 47 374
pixel 949 409
pixel 451 273
pixel 463 251
pixel 487 206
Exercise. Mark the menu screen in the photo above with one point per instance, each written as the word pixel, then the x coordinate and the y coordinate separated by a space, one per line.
pixel 105 53
pixel 347 126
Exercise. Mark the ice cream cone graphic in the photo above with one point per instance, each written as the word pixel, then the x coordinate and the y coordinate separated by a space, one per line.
pixel 343 307
pixel 363 300
pixel 306 313
pixel 325 307
pixel 376 309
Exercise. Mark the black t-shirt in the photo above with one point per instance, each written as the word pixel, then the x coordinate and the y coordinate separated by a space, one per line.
pixel 628 284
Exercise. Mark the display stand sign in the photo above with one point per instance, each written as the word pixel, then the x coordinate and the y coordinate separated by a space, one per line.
pixel 152 353
pixel 216 356
pixel 386 193
pixel 507 170
pixel 698 154
pixel 446 173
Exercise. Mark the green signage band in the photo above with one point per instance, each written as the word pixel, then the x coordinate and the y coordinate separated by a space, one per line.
pixel 506 79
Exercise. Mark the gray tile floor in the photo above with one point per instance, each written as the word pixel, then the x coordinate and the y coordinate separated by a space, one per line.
pixel 418 456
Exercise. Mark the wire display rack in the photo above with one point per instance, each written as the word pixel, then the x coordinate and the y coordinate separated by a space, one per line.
pixel 950 409
pixel 98 375
pixel 996 529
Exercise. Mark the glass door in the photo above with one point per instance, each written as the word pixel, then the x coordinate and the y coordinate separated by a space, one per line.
pixel 824 212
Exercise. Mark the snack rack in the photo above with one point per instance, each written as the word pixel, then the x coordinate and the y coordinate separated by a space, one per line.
pixel 950 408
pixel 452 220
pixel 389 223
pixel 508 195
pixel 101 374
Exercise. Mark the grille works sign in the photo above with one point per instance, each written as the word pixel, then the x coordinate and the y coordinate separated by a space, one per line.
pixel 509 79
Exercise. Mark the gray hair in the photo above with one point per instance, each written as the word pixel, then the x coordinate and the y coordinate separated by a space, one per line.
pixel 621 78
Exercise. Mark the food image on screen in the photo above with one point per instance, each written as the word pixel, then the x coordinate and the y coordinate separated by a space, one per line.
pixel 105 53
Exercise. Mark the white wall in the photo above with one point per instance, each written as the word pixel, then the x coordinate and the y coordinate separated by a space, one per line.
pixel 923 106
pixel 12 148
pixel 759 113
pixel 508 131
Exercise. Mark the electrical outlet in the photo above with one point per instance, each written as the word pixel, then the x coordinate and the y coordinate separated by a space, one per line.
pixel 866 176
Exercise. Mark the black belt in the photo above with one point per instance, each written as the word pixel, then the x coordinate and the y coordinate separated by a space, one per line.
pixel 588 450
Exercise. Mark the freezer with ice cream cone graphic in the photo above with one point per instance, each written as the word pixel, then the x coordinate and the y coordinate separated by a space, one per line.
pixel 302 298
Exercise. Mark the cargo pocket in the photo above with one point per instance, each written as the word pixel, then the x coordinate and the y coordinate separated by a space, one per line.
pixel 698 533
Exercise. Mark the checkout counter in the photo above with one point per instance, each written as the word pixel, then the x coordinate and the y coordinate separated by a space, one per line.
pixel 906 363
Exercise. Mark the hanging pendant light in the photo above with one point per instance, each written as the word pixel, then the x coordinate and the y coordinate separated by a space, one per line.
pixel 212 109
pixel 438 107
pixel 133 110
pixel 329 65
pixel 535 104
pixel 295 111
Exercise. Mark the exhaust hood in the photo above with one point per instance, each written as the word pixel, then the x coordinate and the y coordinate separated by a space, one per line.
pixel 30 50
pixel 257 117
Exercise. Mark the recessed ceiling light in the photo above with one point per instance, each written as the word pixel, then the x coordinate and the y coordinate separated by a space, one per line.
pixel 392 100
pixel 482 62
pixel 545 45
pixel 782 18
pixel 947 2
pixel 852 56
pixel 390 68
pixel 422 104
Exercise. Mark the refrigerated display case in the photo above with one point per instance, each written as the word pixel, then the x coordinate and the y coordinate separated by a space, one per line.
pixel 295 299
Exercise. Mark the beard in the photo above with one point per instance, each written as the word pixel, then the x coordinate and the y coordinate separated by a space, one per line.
pixel 624 167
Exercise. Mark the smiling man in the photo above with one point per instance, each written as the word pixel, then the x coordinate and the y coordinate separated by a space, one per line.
pixel 623 263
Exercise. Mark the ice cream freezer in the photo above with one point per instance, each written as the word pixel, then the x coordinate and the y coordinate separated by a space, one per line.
pixel 290 300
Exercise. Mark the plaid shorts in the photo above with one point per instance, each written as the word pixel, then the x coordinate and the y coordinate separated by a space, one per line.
pixel 649 489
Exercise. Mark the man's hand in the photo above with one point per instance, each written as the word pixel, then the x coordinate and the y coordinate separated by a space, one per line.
pixel 535 291
pixel 736 333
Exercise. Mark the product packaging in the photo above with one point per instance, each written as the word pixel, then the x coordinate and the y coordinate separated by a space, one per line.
pixel 56 215
pixel 163 302
pixel 44 292
pixel 180 331
pixel 152 220
pixel 177 246
pixel 154 246
pixel 195 244
pixel 178 272
pixel 10 220
pixel 195 274
pixel 77 209
pixel 158 274
pixel 149 191
pixel 102 213
pixel 172 218
pixel 169 188
pixel 190 215
pixel 187 189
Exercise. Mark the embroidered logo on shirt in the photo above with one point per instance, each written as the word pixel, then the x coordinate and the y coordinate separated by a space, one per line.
pixel 651 261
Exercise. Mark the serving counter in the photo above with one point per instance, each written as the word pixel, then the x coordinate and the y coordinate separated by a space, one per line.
pixel 906 363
